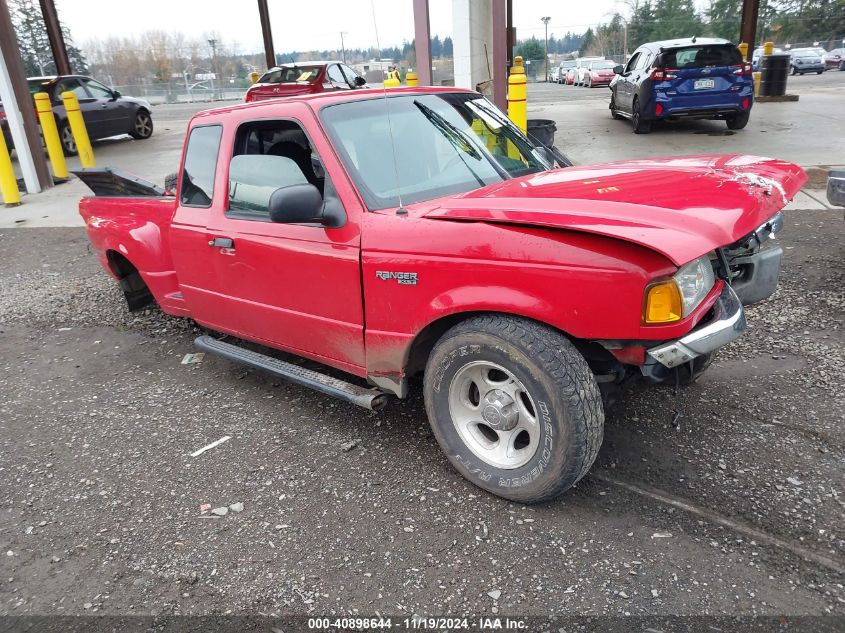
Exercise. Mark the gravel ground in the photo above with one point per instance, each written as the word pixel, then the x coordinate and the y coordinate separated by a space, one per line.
pixel 738 510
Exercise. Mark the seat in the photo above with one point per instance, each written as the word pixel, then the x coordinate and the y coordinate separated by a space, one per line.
pixel 298 154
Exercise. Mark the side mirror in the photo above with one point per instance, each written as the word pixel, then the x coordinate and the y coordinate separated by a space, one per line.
pixel 618 69
pixel 296 204
pixel 115 94
pixel 360 81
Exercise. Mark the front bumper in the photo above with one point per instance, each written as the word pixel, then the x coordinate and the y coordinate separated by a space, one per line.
pixel 727 324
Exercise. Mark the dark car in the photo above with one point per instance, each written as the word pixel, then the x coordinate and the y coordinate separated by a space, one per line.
pixel 698 78
pixel 304 78
pixel 106 112
pixel 806 60
pixel 835 59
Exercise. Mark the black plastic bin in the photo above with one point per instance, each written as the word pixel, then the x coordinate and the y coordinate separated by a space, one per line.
pixel 774 71
pixel 542 130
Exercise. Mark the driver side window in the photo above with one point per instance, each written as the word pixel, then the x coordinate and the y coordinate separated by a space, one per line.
pixel 269 155
pixel 336 77
pixel 632 63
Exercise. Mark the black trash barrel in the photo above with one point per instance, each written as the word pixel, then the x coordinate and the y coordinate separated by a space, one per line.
pixel 543 130
pixel 774 70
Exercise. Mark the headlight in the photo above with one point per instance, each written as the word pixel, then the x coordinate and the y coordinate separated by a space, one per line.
pixel 673 299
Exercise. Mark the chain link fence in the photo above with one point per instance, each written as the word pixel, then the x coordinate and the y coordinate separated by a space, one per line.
pixel 159 93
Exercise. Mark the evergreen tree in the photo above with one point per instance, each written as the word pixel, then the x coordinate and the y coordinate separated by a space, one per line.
pixel 33 43
pixel 587 42
pixel 675 19
pixel 530 49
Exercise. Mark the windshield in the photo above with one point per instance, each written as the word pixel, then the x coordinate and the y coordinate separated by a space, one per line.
pixel 291 75
pixel 602 65
pixel 444 144
pixel 702 56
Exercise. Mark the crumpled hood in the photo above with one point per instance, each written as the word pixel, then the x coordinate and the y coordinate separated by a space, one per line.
pixel 682 207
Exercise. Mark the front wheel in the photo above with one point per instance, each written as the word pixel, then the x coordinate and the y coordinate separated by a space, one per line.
pixel 514 407
pixel 142 126
pixel 819 72
pixel 737 121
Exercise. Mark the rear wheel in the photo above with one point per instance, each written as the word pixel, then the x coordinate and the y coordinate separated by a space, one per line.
pixel 641 126
pixel 819 72
pixel 738 121
pixel 514 407
pixel 142 126
pixel 67 140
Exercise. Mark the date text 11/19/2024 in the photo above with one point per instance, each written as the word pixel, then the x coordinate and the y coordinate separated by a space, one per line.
pixel 484 623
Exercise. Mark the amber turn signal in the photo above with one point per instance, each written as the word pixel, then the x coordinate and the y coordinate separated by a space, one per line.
pixel 663 303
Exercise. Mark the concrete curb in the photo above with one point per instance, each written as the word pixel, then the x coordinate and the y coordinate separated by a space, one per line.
pixel 776 99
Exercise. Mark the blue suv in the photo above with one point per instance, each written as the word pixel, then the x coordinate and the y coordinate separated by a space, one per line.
pixel 693 78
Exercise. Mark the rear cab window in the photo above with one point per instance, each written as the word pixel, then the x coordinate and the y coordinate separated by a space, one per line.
pixel 198 171
pixel 291 75
pixel 702 56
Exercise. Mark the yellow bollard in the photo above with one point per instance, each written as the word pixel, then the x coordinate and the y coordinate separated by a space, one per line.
pixel 768 48
pixel 743 49
pixel 411 79
pixel 757 76
pixel 8 182
pixel 77 128
pixel 254 76
pixel 517 95
pixel 391 82
pixel 51 135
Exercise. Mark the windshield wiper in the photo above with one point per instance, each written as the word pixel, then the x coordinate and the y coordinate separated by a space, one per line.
pixel 460 142
pixel 453 134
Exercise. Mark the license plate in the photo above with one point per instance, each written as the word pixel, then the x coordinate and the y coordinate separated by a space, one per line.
pixel 704 84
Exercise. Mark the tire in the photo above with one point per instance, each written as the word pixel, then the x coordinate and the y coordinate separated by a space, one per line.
pixel 738 121
pixel 67 140
pixel 842 65
pixel 640 126
pixel 142 125
pixel 531 383
pixel 794 71
pixel 613 111
pixel 819 72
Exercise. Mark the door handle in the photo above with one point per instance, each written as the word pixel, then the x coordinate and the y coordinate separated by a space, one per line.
pixel 222 242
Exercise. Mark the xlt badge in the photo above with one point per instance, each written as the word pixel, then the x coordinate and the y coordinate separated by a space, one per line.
pixel 404 279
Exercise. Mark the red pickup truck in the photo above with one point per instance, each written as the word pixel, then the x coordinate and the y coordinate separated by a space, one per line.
pixel 420 233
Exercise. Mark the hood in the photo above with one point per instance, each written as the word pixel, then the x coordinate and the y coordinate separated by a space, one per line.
pixel 682 207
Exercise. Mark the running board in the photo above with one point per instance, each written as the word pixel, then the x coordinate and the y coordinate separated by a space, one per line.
pixel 363 397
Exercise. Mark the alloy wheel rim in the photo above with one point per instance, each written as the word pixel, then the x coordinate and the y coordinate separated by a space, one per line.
pixel 494 415
pixel 142 125
pixel 68 140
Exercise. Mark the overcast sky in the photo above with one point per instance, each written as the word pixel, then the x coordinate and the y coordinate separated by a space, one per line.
pixel 310 25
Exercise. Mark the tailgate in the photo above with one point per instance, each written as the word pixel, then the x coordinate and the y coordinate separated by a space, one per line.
pixel 109 182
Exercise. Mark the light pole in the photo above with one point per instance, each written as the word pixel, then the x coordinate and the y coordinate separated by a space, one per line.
pixel 546 48
pixel 342 47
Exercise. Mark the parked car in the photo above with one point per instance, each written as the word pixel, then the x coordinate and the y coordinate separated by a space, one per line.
pixel 835 59
pixel 106 112
pixel 581 68
pixel 305 78
pixel 700 78
pixel 563 70
pixel 570 76
pixel 805 60
pixel 521 294
pixel 599 73
pixel 757 54
pixel 554 74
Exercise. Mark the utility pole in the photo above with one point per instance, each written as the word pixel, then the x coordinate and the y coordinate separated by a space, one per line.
pixel 546 24
pixel 342 47
pixel 213 44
